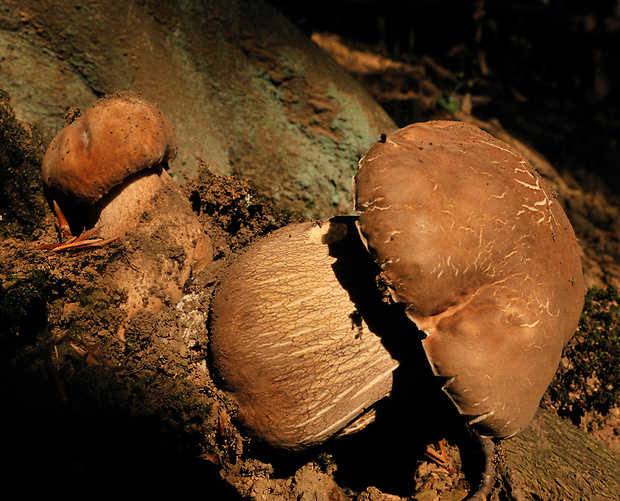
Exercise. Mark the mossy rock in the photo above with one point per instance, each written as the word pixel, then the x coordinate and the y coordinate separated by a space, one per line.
pixel 247 91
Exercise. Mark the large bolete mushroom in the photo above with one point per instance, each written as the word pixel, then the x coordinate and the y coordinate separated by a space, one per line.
pixel 471 239
pixel 298 334
pixel 107 168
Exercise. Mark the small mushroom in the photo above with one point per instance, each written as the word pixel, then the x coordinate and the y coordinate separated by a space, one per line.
pixel 298 334
pixel 106 169
pixel 472 241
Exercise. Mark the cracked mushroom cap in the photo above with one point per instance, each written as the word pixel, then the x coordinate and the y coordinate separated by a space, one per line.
pixel 120 135
pixel 468 235
pixel 290 335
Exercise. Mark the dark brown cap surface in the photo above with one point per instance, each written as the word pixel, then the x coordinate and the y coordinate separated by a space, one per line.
pixel 472 240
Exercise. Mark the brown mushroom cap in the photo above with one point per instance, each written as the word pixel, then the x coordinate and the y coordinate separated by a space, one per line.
pixel 289 341
pixel 105 171
pixel 472 240
pixel 119 136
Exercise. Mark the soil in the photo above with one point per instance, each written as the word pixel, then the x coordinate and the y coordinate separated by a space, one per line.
pixel 104 401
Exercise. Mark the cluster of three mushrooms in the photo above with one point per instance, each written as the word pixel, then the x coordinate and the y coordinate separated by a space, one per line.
pixel 461 229
pixel 464 234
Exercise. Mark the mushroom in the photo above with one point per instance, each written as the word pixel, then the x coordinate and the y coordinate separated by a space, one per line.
pixel 472 250
pixel 299 333
pixel 468 236
pixel 106 169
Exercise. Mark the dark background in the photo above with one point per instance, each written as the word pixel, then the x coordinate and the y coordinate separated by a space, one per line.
pixel 550 67
pixel 568 46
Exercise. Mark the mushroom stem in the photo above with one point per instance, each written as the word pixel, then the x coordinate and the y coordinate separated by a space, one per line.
pixel 487 450
pixel 167 243
pixel 134 201
pixel 120 210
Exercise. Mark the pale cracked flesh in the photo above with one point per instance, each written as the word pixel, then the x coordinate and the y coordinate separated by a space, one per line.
pixel 291 338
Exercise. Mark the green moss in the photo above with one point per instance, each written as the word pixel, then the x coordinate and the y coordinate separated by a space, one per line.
pixel 292 63
pixel 589 376
pixel 448 104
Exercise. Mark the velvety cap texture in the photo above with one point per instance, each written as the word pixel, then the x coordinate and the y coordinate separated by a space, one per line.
pixel 468 235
